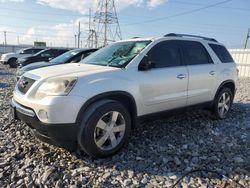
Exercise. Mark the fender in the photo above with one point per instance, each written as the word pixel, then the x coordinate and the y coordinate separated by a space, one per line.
pixel 224 83
pixel 115 95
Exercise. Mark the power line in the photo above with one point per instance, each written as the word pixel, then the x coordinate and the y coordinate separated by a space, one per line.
pixel 42 13
pixel 40 35
pixel 29 19
pixel 223 7
pixel 179 14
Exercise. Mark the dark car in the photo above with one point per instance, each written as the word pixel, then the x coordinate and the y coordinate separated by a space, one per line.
pixel 44 55
pixel 72 56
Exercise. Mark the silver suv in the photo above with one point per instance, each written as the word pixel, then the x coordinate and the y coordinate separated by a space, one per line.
pixel 94 104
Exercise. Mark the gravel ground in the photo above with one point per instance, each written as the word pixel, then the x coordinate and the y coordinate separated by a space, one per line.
pixel 158 154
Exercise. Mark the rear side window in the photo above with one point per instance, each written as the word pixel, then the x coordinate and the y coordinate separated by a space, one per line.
pixel 222 53
pixel 59 52
pixel 195 53
pixel 165 54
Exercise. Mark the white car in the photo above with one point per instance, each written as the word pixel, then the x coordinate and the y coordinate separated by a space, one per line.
pixel 95 104
pixel 10 58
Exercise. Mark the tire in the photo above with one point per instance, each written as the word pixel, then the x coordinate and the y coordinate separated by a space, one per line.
pixel 12 63
pixel 96 136
pixel 222 103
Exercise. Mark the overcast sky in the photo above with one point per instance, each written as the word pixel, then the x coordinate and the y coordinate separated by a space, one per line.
pixel 55 21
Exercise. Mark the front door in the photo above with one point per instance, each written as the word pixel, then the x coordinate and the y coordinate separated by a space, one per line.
pixel 164 86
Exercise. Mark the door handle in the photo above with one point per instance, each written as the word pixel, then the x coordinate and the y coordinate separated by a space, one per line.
pixel 212 72
pixel 181 76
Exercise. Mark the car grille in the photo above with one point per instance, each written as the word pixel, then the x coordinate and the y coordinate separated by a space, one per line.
pixel 24 84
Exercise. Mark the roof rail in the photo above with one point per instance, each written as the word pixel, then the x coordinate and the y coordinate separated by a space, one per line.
pixel 186 35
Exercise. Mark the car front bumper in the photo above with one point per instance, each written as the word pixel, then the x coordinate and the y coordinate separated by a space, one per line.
pixel 59 109
pixel 62 135
pixel 3 62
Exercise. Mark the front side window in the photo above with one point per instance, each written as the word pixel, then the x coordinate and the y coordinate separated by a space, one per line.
pixel 195 53
pixel 117 55
pixel 64 57
pixel 222 53
pixel 165 54
pixel 47 53
pixel 36 51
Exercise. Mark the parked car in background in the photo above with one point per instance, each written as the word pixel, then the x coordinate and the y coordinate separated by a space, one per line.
pixel 11 58
pixel 93 105
pixel 44 55
pixel 72 56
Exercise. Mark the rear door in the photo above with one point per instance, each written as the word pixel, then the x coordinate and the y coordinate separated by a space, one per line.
pixel 202 72
pixel 164 87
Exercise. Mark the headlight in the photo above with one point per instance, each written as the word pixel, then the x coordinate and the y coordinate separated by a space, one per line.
pixel 55 86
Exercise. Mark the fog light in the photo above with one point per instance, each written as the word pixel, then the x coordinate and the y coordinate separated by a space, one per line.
pixel 42 114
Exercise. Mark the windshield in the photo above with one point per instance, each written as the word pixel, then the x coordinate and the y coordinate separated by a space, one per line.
pixel 64 57
pixel 19 51
pixel 117 55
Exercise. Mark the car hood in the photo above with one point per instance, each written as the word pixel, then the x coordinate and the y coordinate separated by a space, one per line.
pixel 35 66
pixel 72 69
pixel 9 54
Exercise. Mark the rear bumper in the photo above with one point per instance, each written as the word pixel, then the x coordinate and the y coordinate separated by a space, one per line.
pixel 62 135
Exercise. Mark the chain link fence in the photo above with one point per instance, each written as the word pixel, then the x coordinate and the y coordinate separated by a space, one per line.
pixel 11 48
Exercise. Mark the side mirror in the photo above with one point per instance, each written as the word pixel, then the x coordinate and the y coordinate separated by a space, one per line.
pixel 145 64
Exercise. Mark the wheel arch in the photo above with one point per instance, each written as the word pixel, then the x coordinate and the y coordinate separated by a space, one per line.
pixel 123 97
pixel 12 58
pixel 229 84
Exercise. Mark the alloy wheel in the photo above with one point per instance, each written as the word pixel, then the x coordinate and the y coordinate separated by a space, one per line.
pixel 224 104
pixel 109 130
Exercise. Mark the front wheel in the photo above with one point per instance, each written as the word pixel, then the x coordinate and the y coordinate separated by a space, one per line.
pixel 222 104
pixel 105 128
pixel 12 63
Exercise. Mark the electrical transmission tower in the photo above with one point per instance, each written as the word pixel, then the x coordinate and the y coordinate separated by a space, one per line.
pixel 92 38
pixel 105 23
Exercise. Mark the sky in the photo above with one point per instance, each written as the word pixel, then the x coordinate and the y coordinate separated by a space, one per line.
pixel 56 21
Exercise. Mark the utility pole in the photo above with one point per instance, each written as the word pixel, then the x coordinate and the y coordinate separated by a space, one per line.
pixel 79 34
pixel 5 39
pixel 75 40
pixel 18 40
pixel 106 24
pixel 92 37
pixel 247 37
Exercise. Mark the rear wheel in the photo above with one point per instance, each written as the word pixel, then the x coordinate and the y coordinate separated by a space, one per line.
pixel 12 63
pixel 222 104
pixel 105 128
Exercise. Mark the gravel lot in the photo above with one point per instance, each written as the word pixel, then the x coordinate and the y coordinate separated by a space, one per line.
pixel 158 154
